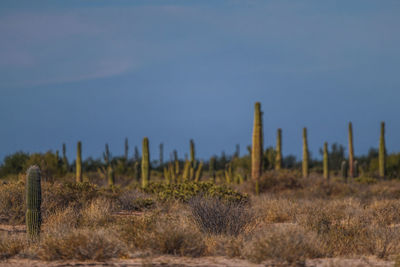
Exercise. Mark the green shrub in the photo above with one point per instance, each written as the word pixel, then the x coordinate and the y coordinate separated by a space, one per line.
pixel 185 191
pixel 14 164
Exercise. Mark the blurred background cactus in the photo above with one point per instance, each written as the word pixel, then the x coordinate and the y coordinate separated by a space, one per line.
pixel 382 151
pixel 78 163
pixel 326 161
pixel 33 202
pixel 278 159
pixel 145 162
pixel 305 164
pixel 351 151
pixel 257 146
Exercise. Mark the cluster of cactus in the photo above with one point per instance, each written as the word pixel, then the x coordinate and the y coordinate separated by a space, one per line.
pixel 33 202
pixel 257 146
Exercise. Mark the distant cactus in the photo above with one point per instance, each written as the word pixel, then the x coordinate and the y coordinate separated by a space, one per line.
pixel 257 146
pixel 199 171
pixel 382 151
pixel 343 170
pixel 186 171
pixel 136 156
pixel 237 151
pixel 351 151
pixel 137 171
pixel 326 161
pixel 161 146
pixel 126 150
pixel 145 162
pixel 228 173
pixel 305 164
pixel 106 155
pixel 79 163
pixel 110 175
pixel 355 168
pixel 33 202
pixel 176 162
pixel 64 159
pixel 278 159
pixel 167 175
pixel 192 154
pixel 212 167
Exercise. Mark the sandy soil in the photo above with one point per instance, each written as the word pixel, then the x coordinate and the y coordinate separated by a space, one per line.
pixel 197 262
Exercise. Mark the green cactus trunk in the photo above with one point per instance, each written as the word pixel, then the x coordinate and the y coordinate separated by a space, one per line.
pixel 65 160
pixel 110 176
pixel 33 203
pixel 199 171
pixel 145 162
pixel 79 163
pixel 126 149
pixel 382 151
pixel 186 171
pixel 192 154
pixel 228 173
pixel 326 161
pixel 167 176
pixel 211 166
pixel 305 164
pixel 176 162
pixel 351 151
pixel 278 159
pixel 161 154
pixel 257 146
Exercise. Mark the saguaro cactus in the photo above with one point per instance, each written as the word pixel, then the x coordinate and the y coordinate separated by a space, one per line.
pixel 199 171
pixel 176 162
pixel 161 146
pixel 33 202
pixel 126 149
pixel 78 162
pixel 65 160
pixel 145 162
pixel 351 151
pixel 326 161
pixel 305 164
pixel 278 159
pixel 257 146
pixel 192 154
pixel 212 168
pixel 382 151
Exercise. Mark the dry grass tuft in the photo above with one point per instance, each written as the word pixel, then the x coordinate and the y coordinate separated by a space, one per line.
pixel 10 246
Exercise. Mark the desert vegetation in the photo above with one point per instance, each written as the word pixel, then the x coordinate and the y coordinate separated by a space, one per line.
pixel 261 207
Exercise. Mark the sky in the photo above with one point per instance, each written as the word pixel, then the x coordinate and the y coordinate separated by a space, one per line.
pixel 99 71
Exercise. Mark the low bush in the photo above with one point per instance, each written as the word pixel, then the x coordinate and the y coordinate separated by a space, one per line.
pixel 10 246
pixel 215 216
pixel 185 191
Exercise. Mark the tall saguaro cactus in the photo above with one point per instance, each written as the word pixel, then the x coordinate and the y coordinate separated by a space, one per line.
pixel 78 162
pixel 326 161
pixel 351 151
pixel 305 164
pixel 382 151
pixel 278 159
pixel 257 146
pixel 33 202
pixel 192 154
pixel 161 146
pixel 64 159
pixel 145 162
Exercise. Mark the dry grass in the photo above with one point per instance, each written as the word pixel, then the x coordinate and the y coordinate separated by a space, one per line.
pixel 293 220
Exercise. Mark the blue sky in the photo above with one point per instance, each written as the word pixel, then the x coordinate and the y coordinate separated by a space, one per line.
pixel 100 71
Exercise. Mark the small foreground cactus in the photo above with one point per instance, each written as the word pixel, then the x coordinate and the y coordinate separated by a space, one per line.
pixel 33 202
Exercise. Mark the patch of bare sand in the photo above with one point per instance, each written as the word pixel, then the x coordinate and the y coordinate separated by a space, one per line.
pixel 196 262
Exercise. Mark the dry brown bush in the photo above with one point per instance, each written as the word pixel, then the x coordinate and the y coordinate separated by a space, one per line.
pixel 10 245
pixel 286 242
pixel 82 244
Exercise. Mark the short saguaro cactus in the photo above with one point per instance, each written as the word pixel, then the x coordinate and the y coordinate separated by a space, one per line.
pixel 33 202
